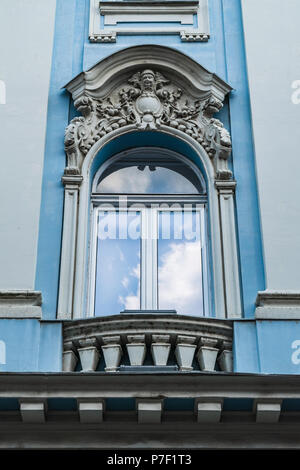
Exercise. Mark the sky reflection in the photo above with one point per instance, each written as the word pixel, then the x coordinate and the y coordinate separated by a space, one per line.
pixel 132 180
pixel 118 266
pixel 180 263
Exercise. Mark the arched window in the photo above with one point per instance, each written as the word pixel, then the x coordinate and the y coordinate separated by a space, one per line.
pixel 148 96
pixel 149 243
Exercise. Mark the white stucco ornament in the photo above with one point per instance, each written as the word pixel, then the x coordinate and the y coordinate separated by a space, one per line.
pixel 148 98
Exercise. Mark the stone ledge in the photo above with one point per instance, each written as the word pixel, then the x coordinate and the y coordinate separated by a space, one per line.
pixel 278 305
pixel 20 304
pixel 164 338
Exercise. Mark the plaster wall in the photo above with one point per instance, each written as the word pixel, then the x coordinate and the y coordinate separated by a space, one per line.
pixel 273 52
pixel 26 37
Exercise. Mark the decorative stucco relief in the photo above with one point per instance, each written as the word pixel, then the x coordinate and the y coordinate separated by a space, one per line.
pixel 148 100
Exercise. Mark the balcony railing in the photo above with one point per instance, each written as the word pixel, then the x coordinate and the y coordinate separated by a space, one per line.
pixel 148 342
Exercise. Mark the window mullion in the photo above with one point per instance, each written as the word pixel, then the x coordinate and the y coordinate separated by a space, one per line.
pixel 149 260
pixel 153 240
pixel 144 246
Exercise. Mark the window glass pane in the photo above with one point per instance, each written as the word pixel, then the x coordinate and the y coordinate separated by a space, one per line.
pixel 149 179
pixel 180 262
pixel 118 262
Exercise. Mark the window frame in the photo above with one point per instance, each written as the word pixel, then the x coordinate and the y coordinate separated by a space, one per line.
pixel 151 205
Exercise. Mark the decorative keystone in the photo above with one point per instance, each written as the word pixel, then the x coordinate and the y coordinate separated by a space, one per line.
pixel 160 349
pixel 136 349
pixel 89 354
pixel 207 354
pixel 225 359
pixel 90 411
pixel 208 411
pixel 112 352
pixel 149 411
pixel 185 351
pixel 267 412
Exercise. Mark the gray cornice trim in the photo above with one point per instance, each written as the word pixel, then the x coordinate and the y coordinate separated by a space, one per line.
pixel 276 296
pixel 149 55
pixel 22 297
pixel 176 6
pixel 179 385
pixel 278 305
pixel 20 304
pixel 120 429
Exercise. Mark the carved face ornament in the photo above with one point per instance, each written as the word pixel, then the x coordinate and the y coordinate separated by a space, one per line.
pixel 148 78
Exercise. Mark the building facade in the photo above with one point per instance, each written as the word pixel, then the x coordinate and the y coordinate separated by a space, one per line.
pixel 149 283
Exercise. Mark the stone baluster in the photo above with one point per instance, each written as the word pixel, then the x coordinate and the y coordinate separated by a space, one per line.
pixel 89 354
pixel 136 349
pixel 112 352
pixel 207 354
pixel 70 359
pixel 225 359
pixel 185 351
pixel 160 349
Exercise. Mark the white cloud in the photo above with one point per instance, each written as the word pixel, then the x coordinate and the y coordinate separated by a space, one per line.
pixel 180 280
pixel 136 272
pixel 130 302
pixel 179 276
pixel 122 257
pixel 126 180
pixel 125 282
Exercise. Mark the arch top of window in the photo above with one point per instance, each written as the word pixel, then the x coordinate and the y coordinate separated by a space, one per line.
pixel 149 171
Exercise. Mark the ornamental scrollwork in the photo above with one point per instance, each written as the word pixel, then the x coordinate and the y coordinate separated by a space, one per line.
pixel 147 101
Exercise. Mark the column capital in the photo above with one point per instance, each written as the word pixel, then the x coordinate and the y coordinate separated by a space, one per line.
pixel 225 187
pixel 71 181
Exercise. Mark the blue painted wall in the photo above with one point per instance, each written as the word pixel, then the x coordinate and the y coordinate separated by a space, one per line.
pixel 30 346
pixel 222 54
pixel 267 347
pixel 259 346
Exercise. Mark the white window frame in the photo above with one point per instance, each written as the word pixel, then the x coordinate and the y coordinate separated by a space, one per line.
pixel 149 206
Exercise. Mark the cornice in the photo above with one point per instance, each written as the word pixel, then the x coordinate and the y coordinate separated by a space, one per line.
pixel 20 304
pixel 278 305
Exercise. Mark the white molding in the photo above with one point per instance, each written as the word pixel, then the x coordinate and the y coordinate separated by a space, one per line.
pixel 147 16
pixel 82 236
pixel 149 273
pixel 278 305
pixel 65 298
pixel 230 251
pixel 115 13
pixel 20 304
